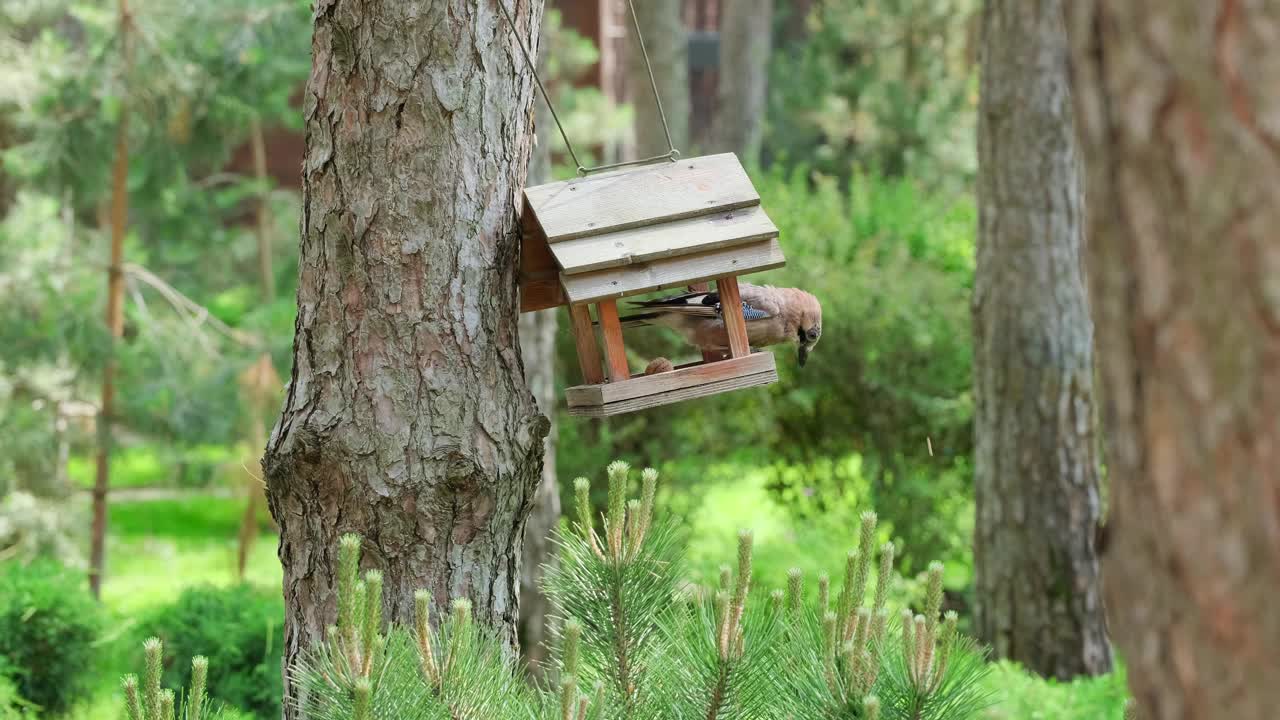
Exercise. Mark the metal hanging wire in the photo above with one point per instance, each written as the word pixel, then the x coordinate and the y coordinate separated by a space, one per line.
pixel 672 153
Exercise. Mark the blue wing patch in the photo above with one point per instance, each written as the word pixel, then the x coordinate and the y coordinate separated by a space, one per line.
pixel 749 313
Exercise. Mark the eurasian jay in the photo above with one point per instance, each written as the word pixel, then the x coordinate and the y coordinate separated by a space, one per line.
pixel 773 316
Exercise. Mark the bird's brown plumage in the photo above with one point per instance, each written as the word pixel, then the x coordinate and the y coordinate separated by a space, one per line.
pixel 773 316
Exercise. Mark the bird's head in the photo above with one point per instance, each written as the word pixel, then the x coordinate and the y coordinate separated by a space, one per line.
pixel 809 325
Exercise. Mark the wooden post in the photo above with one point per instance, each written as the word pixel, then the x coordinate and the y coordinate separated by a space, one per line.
pixel 615 353
pixel 708 355
pixel 584 337
pixel 734 323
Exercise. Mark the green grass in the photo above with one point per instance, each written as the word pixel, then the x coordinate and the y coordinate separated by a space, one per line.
pixel 194 517
pixel 130 468
pixel 158 547
pixel 151 466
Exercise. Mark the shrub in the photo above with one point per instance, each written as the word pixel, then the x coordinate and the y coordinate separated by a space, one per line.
pixel 12 705
pixel 238 630
pixel 48 625
pixel 32 527
pixel 1023 695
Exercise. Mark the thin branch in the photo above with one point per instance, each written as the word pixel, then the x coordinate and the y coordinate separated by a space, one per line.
pixel 195 313
pixel 219 178
pixel 206 343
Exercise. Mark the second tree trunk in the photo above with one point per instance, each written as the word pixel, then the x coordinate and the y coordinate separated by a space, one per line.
pixel 1035 464
pixel 745 42
pixel 667 42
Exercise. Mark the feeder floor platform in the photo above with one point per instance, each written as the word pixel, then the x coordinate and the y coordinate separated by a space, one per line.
pixel 685 383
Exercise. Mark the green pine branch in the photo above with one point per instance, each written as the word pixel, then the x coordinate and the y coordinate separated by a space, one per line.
pixel 147 699
pixel 619 586
pixel 634 643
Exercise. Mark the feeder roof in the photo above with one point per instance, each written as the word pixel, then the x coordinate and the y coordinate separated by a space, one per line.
pixel 650 228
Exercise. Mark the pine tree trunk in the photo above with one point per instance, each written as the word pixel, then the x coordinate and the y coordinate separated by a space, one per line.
pixel 795 30
pixel 408 419
pixel 1177 104
pixel 259 396
pixel 538 348
pixel 1035 465
pixel 119 225
pixel 538 342
pixel 745 41
pixel 8 183
pixel 667 41
pixel 262 211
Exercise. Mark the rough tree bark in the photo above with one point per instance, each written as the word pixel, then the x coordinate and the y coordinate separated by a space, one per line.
pixel 538 348
pixel 667 40
pixel 746 29
pixel 407 418
pixel 1035 462
pixel 1178 106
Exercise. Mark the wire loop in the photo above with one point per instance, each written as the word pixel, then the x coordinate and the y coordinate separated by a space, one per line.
pixel 672 153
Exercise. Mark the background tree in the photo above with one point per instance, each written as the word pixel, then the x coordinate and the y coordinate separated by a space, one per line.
pixel 118 224
pixel 666 39
pixel 260 383
pixel 795 20
pixel 745 43
pixel 1035 463
pixel 408 419
pixel 1176 105
pixel 538 348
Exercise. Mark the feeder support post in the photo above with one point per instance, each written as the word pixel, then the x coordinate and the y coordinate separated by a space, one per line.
pixel 615 352
pixel 584 338
pixel 734 323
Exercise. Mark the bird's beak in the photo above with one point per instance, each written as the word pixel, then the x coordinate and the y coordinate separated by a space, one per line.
pixel 803 354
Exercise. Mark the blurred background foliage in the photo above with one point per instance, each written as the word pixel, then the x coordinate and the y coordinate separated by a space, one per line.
pixel 866 169
pixel 202 75
pixel 888 85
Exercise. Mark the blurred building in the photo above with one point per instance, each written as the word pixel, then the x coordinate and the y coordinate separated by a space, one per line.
pixel 605 23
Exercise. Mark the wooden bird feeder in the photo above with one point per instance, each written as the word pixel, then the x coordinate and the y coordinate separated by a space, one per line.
pixel 595 239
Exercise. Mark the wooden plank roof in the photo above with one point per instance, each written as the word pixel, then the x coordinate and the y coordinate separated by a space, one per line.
pixel 652 194
pixel 645 229
pixel 673 272
pixel 654 242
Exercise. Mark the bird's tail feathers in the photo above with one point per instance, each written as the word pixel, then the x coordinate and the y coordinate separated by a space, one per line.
pixel 637 320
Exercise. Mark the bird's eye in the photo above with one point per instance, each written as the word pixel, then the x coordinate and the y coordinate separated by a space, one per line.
pixel 813 334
